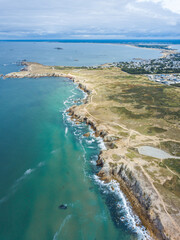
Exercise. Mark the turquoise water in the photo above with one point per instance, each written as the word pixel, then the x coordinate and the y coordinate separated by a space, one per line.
pixel 45 161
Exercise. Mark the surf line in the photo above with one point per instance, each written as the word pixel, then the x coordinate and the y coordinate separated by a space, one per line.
pixel 14 187
pixel 61 226
pixel 132 222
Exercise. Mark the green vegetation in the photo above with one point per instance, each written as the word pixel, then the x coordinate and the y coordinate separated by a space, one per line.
pixel 165 65
pixel 128 114
pixel 82 67
pixel 157 101
pixel 173 185
pixel 172 147
pixel 131 154
pixel 138 70
pixel 176 85
pixel 160 70
pixel 131 106
pixel 173 164
pixel 156 46
pixel 123 134
pixel 116 157
pixel 69 68
pixel 154 130
pixel 161 164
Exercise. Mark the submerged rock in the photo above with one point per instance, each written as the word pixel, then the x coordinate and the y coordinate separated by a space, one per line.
pixel 63 206
pixel 86 134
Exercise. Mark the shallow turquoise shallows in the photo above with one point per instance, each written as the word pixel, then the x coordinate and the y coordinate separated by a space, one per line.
pixel 44 164
pixel 48 184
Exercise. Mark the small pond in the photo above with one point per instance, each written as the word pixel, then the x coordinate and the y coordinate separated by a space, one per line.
pixel 154 152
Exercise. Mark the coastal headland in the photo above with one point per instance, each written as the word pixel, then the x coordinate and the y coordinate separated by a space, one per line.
pixel 129 111
pixel 165 50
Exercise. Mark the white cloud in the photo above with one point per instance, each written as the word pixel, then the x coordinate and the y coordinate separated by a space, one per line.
pixel 172 5
pixel 68 18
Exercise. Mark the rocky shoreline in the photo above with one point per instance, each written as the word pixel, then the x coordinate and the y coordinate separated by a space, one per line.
pixel 131 187
pixel 140 202
pixel 132 180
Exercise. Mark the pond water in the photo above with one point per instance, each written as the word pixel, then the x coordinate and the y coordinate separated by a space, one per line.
pixel 154 152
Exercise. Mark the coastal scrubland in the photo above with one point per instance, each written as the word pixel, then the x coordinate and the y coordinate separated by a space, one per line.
pixel 129 111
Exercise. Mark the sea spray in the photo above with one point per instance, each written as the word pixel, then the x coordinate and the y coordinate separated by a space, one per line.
pixel 128 218
pixel 14 187
pixel 61 227
pixel 66 131
pixel 123 207
pixel 38 100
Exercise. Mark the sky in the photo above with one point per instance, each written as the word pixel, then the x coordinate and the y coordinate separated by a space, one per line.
pixel 89 19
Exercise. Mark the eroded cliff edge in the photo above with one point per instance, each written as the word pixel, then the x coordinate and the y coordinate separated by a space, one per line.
pixel 130 111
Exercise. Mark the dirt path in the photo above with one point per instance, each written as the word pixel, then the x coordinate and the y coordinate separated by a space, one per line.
pixel 131 131
pixel 162 202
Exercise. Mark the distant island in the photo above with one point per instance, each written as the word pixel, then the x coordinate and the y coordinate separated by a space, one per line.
pixel 58 48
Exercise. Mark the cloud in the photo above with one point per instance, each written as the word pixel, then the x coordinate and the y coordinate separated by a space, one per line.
pixel 84 18
pixel 172 5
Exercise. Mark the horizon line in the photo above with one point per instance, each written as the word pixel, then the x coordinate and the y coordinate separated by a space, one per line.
pixel 89 39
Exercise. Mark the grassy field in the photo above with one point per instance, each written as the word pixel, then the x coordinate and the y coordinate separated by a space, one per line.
pixel 145 106
pixel 137 112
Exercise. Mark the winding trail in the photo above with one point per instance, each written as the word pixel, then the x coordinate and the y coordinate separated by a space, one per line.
pixel 131 131
pixel 162 201
pixel 127 141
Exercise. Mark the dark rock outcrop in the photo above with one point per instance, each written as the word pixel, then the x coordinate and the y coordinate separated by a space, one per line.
pixel 63 206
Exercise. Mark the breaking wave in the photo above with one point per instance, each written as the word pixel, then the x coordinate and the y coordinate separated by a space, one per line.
pixel 66 131
pixel 124 210
pixel 61 227
pixel 14 187
pixel 124 214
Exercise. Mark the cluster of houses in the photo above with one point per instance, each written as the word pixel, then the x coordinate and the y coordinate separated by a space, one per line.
pixel 169 64
pixel 165 78
pixel 163 70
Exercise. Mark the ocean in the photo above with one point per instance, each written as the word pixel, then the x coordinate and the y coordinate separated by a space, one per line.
pixel 45 161
pixel 68 53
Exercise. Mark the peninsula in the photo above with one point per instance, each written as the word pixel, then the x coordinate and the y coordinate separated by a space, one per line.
pixel 130 112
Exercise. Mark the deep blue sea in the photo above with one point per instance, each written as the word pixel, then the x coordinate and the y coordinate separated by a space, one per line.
pixel 45 160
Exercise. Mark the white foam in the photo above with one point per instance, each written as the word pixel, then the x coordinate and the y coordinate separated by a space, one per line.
pixel 129 218
pixel 54 151
pixel 73 204
pixel 66 131
pixel 101 143
pixel 29 171
pixel 18 181
pixel 61 226
pixel 90 141
pixel 91 147
pixel 41 164
pixel 15 185
pixel 93 162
